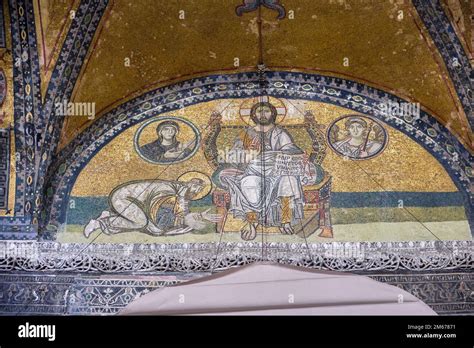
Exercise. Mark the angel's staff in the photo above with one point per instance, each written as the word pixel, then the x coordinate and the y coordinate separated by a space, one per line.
pixel 367 137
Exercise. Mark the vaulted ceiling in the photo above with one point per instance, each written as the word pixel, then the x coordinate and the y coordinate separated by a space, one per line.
pixel 385 43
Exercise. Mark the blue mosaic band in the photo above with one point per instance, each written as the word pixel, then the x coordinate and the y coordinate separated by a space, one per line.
pixel 444 36
pixel 64 77
pixel 4 166
pixel 3 38
pixel 27 108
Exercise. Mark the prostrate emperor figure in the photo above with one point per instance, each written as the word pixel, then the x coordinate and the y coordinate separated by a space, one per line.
pixel 155 207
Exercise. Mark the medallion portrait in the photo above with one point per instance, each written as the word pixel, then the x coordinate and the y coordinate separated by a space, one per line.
pixel 167 140
pixel 357 137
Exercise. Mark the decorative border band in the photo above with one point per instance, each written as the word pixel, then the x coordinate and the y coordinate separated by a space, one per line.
pixel 205 257
pixel 33 120
pixel 3 38
pixel 4 166
pixel 63 79
pixel 447 293
pixel 447 42
pixel 27 115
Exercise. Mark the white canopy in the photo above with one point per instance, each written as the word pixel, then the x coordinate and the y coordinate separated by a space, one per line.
pixel 274 289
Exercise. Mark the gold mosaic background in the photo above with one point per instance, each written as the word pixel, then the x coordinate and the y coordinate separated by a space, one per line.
pixel 53 19
pixel 403 166
pixel 384 51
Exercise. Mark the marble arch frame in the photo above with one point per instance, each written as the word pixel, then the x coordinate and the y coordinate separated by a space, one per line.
pixel 426 130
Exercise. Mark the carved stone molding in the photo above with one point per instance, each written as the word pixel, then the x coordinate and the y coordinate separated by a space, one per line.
pixel 204 257
pixel 77 294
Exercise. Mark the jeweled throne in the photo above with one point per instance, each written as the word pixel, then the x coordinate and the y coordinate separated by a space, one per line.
pixel 317 197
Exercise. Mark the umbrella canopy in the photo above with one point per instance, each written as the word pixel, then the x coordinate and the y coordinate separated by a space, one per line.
pixel 274 289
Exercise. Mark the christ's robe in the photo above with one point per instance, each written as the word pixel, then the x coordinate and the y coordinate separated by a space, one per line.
pixel 257 188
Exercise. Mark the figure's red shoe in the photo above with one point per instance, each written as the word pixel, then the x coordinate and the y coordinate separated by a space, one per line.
pixel 326 232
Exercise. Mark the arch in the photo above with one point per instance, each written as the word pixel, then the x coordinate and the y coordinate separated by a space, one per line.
pixel 451 50
pixel 425 130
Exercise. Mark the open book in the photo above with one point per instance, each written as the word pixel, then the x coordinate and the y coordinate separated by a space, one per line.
pixel 289 165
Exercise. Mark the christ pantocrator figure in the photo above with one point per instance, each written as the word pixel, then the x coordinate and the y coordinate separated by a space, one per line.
pixel 267 191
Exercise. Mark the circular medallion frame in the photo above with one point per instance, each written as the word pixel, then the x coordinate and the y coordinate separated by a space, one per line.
pixel 160 119
pixel 372 121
